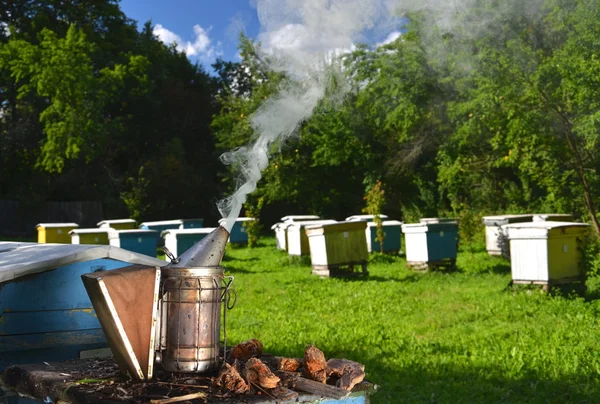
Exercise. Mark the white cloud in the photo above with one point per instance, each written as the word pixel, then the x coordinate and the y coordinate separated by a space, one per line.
pixel 390 38
pixel 201 47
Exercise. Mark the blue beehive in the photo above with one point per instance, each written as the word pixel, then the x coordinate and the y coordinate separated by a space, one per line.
pixel 238 231
pixel 45 312
pixel 179 241
pixel 163 225
pixel 430 243
pixel 140 241
pixel 392 241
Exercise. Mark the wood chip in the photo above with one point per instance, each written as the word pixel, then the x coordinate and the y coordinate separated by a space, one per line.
pixel 230 379
pixel 258 373
pixel 349 372
pixel 283 393
pixel 288 364
pixel 247 349
pixel 315 366
pixel 178 399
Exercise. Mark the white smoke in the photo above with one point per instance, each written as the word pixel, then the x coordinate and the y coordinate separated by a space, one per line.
pixel 300 37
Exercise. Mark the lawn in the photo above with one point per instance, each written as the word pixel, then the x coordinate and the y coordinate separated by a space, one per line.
pixel 460 337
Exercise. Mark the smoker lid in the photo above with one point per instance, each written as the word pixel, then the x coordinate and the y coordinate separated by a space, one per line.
pixel 364 217
pixel 201 230
pixel 55 225
pixel 20 259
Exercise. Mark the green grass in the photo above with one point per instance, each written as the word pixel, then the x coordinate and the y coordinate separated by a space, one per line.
pixel 460 337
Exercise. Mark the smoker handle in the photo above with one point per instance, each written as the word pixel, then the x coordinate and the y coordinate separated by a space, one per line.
pixel 226 296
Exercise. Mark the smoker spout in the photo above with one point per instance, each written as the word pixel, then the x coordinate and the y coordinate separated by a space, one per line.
pixel 207 252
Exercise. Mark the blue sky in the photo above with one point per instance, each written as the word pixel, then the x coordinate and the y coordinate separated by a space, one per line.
pixel 220 23
pixel 207 29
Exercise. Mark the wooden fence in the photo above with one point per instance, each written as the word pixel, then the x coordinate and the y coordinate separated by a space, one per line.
pixel 19 220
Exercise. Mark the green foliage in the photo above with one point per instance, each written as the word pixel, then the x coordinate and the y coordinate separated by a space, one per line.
pixel 253 227
pixel 375 199
pixel 423 337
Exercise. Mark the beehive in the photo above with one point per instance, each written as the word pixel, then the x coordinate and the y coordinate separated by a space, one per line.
pixel 137 240
pixel 430 244
pixel 91 236
pixel 55 232
pixel 392 232
pixel 297 241
pixel 335 246
pixel 496 240
pixel 280 230
pixel 545 252
pixel 117 224
pixel 45 312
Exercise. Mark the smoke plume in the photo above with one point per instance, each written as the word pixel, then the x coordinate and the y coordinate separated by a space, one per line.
pixel 301 37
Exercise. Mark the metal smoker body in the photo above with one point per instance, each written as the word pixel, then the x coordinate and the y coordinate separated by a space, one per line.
pixel 193 294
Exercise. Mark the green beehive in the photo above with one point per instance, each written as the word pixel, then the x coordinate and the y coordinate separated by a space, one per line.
pixel 117 224
pixel 392 240
pixel 431 244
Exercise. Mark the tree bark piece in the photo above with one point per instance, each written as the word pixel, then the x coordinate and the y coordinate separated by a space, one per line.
pixel 230 378
pixel 315 366
pixel 258 373
pixel 288 364
pixel 179 399
pixel 247 349
pixel 349 372
pixel 295 381
pixel 283 393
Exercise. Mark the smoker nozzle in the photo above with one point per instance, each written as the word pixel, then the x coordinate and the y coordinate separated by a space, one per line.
pixel 207 252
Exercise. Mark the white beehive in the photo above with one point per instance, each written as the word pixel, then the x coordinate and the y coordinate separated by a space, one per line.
pixel 297 241
pixel 280 230
pixel 496 240
pixel 545 252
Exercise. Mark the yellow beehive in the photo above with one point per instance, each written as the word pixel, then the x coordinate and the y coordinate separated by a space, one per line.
pixel 55 232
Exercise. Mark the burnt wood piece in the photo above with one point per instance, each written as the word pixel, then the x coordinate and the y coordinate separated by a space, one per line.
pixel 247 349
pixel 258 373
pixel 349 372
pixel 283 393
pixel 315 366
pixel 230 379
pixel 297 382
pixel 288 364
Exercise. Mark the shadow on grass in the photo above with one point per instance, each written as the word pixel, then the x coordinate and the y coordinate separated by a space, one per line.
pixel 446 383
pixel 234 270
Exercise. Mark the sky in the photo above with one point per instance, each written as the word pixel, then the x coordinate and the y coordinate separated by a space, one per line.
pixel 204 29
pixel 208 29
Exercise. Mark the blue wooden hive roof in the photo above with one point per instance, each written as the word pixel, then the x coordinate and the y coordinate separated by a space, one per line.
pixel 45 312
